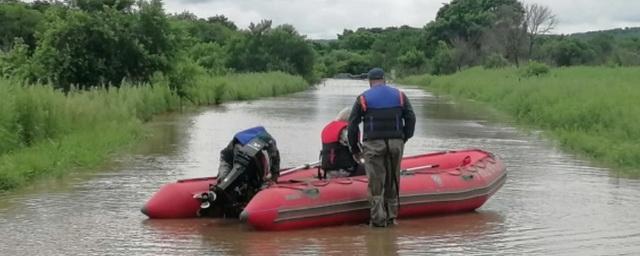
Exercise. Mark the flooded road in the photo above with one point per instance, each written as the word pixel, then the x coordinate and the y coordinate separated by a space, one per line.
pixel 552 203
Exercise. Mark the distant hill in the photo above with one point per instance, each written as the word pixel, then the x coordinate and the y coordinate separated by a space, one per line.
pixel 616 33
pixel 324 41
pixel 620 33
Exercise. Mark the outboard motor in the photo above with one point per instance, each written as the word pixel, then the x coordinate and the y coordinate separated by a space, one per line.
pixel 233 192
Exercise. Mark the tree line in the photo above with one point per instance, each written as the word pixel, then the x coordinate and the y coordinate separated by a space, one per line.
pixel 466 33
pixel 86 43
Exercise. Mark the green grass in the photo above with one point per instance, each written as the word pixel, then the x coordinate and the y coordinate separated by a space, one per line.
pixel 590 110
pixel 44 132
pixel 214 90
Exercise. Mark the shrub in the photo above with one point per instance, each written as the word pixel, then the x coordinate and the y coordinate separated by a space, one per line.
pixel 534 69
pixel 495 61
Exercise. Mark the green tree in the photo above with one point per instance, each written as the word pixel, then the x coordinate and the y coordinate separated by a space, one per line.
pixel 210 56
pixel 202 30
pixel 391 44
pixel 569 51
pixel 263 49
pixel 464 19
pixel 344 61
pixel 495 60
pixel 443 60
pixel 627 52
pixel 290 49
pixel 463 53
pixel 185 16
pixel 16 63
pixel 412 60
pixel 603 46
pixel 539 20
pixel 355 64
pixel 508 34
pixel 222 20
pixel 246 51
pixel 154 33
pixel 361 40
pixel 104 47
pixel 100 5
pixel 18 21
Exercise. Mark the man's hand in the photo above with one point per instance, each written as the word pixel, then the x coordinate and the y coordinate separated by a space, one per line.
pixel 267 184
pixel 358 158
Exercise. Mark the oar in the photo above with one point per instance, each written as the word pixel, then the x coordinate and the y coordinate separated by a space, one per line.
pixel 302 167
pixel 429 166
pixel 316 163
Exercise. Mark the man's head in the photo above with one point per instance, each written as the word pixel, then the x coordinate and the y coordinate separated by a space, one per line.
pixel 375 76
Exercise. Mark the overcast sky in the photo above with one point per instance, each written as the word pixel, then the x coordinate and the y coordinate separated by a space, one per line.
pixel 323 19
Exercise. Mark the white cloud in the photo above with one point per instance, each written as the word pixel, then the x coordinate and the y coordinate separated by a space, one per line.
pixel 326 18
pixel 590 15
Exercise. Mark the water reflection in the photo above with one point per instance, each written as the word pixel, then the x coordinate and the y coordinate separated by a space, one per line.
pixel 411 236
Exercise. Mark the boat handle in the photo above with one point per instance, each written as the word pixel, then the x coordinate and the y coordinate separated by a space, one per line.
pixel 320 183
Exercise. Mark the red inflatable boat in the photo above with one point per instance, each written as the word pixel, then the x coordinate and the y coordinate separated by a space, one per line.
pixel 436 183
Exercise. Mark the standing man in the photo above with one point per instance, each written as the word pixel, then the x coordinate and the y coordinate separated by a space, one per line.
pixel 388 122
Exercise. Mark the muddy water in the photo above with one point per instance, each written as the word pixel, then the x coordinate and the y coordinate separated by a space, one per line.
pixel 552 203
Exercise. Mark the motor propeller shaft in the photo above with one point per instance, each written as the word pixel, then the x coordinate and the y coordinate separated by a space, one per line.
pixel 206 198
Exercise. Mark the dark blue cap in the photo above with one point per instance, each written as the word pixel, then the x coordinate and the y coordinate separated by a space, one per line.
pixel 375 74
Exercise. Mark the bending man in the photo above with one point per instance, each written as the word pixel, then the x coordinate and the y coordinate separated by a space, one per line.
pixel 335 157
pixel 248 163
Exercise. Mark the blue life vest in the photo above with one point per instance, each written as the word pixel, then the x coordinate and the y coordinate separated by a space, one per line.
pixel 382 107
pixel 247 160
pixel 247 135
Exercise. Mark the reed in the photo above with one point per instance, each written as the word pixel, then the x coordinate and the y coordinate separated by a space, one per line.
pixel 590 110
pixel 45 132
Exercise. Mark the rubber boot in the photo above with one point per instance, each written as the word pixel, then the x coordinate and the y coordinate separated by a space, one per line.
pixel 392 211
pixel 378 213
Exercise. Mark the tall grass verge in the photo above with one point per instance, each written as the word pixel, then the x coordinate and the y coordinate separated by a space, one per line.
pixel 44 132
pixel 590 110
